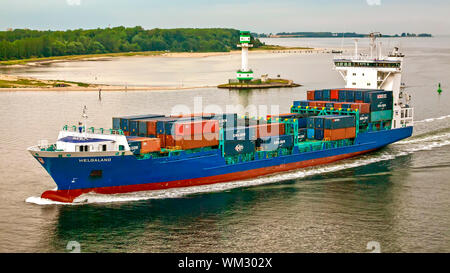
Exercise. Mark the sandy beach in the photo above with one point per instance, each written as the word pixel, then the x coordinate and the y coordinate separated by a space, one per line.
pixel 9 83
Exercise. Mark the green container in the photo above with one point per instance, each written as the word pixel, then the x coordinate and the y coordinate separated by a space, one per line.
pixel 381 115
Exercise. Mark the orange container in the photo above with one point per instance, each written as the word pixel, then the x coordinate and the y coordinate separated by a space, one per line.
pixel 310 95
pixel 334 134
pixel 148 144
pixel 337 105
pixel 162 139
pixel 170 141
pixel 320 104
pixel 270 129
pixel 198 141
pixel 363 108
pixel 350 132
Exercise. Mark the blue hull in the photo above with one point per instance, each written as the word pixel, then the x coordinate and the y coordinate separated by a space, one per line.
pixel 126 173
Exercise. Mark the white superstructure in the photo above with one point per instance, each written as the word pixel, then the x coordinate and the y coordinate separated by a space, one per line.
pixel 373 70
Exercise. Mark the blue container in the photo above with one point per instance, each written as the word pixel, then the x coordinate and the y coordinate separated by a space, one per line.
pixel 342 95
pixel 239 133
pixel 329 105
pixel 310 133
pixel 237 147
pixel 350 96
pixel 302 122
pixel 135 146
pixel 339 122
pixel 116 123
pixel 310 123
pixel 318 95
pixel 326 94
pixel 276 142
pixel 318 134
pixel 318 122
pixel 379 100
pixel 359 95
pixel 125 121
pixel 300 103
pixel 381 115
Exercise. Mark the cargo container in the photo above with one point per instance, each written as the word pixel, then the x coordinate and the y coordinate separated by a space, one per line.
pixel 310 122
pixel 162 138
pixel 334 134
pixel 320 104
pixel 239 133
pixel 147 127
pixel 334 94
pixel 329 105
pixel 125 121
pixel 363 108
pixel 338 122
pixel 302 103
pixel 270 129
pixel 342 95
pixel 161 124
pixel 350 132
pixel 275 142
pixel 189 128
pixel 359 96
pixel 142 145
pixel 302 122
pixel 379 100
pixel 318 95
pixel 318 134
pixel 310 133
pixel 326 94
pixel 350 96
pixel 310 95
pixel 318 122
pixel 116 123
pixel 346 106
pixel 224 118
pixel 338 105
pixel 198 141
pixel 364 118
pixel 381 115
pixel 238 147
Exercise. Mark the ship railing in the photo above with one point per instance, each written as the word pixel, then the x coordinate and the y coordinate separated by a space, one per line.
pixel 406 116
pixel 92 130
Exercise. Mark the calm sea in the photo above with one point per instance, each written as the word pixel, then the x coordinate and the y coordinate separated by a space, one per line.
pixel 398 196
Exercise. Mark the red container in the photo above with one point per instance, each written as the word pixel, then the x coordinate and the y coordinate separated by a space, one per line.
pixel 310 95
pixel 363 108
pixel 170 141
pixel 350 132
pixel 198 141
pixel 162 139
pixel 334 134
pixel 151 127
pixel 334 94
pixel 320 104
pixel 312 103
pixel 359 101
pixel 148 144
pixel 196 127
pixel 126 133
pixel 270 129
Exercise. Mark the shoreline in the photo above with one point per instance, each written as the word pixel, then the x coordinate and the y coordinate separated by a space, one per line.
pixel 10 83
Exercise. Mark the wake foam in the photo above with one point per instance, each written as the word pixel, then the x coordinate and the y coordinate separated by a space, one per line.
pixel 432 119
pixel 414 144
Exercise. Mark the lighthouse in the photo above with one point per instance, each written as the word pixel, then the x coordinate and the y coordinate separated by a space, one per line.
pixel 245 73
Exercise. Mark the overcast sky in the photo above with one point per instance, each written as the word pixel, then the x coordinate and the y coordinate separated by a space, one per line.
pixel 363 16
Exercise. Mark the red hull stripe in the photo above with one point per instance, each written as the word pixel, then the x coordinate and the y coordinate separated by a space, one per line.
pixel 69 195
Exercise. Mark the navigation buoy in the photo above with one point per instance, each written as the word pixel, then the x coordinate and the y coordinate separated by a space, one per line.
pixel 439 89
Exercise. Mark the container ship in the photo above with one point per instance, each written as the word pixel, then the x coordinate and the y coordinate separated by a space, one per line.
pixel 155 152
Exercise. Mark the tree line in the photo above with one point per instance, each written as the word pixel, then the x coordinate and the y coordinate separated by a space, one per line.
pixel 25 43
